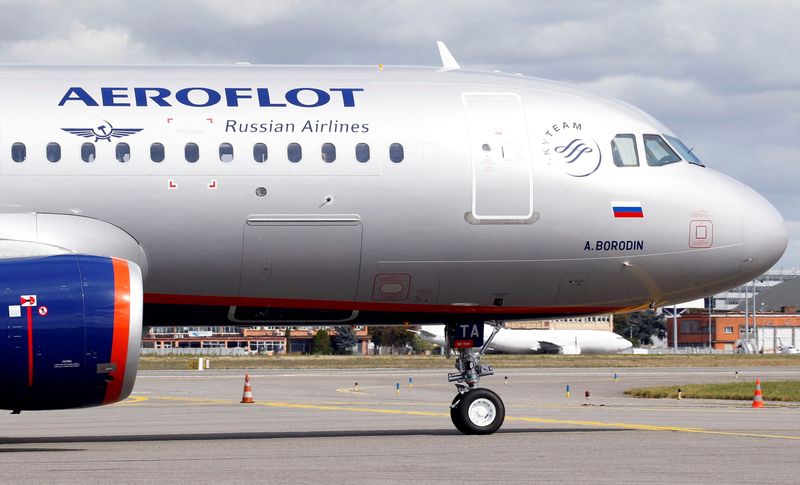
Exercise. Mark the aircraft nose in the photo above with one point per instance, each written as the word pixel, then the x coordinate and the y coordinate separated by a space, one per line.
pixel 764 234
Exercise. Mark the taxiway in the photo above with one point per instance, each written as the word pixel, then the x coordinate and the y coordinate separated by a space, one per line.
pixel 314 426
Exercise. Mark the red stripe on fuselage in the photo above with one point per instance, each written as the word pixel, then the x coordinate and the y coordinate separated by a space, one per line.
pixel 30 346
pixel 200 300
pixel 122 322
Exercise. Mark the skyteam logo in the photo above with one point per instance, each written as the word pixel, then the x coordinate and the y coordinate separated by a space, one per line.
pixel 573 150
pixel 104 131
pixel 565 146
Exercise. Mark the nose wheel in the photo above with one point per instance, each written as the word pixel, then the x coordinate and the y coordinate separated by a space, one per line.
pixel 477 411
pixel 474 410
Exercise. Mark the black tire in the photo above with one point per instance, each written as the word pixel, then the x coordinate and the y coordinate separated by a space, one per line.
pixel 480 411
pixel 455 414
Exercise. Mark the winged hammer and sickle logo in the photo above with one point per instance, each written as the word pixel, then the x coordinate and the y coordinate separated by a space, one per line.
pixel 102 132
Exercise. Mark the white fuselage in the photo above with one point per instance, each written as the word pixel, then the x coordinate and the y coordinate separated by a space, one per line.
pixel 449 193
pixel 533 341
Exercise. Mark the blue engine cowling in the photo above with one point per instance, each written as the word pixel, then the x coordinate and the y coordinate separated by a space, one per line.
pixel 70 331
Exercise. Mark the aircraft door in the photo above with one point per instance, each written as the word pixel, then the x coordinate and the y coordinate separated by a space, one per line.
pixel 301 257
pixel 502 177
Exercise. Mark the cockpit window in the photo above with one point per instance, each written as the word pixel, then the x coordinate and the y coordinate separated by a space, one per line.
pixel 658 152
pixel 685 152
pixel 623 149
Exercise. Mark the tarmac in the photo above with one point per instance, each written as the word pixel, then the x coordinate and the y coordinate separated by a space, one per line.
pixel 314 426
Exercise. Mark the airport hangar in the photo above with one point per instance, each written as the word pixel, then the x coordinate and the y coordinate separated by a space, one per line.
pixel 777 320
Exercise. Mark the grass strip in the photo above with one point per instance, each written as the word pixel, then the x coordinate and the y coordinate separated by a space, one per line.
pixel 619 361
pixel 787 391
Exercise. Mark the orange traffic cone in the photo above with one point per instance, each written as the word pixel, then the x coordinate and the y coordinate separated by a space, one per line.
pixel 247 395
pixel 758 399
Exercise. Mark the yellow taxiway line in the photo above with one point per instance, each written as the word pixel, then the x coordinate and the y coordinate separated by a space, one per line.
pixel 359 409
pixel 648 427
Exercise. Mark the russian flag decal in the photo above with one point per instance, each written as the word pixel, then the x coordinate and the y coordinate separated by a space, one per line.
pixel 624 209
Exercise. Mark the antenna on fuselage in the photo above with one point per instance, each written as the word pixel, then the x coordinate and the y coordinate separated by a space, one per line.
pixel 449 62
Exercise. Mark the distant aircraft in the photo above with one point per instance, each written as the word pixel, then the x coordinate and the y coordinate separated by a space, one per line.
pixel 525 341
pixel 787 349
pixel 262 195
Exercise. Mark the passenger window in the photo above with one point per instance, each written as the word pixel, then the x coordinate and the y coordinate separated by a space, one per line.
pixel 362 152
pixel 260 152
pixel 328 152
pixel 191 152
pixel 18 152
pixel 157 152
pixel 53 152
pixel 658 152
pixel 396 154
pixel 623 150
pixel 294 152
pixel 685 151
pixel 88 152
pixel 123 152
pixel 226 152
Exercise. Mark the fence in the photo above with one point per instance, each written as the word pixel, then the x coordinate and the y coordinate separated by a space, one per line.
pixel 686 351
pixel 197 351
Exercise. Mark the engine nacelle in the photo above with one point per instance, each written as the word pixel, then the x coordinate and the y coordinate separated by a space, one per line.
pixel 70 331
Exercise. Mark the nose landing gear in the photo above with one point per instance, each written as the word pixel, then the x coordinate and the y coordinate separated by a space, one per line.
pixel 474 410
pixel 479 411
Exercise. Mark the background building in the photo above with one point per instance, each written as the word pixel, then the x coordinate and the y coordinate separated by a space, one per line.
pixel 769 330
pixel 263 340
pixel 596 322
pixel 733 298
pixel 775 297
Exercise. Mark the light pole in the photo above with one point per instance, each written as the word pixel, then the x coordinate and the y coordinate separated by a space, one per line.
pixel 710 304
pixel 755 325
pixel 747 312
pixel 755 311
pixel 675 329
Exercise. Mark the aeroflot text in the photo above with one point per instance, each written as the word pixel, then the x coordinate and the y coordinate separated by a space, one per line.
pixel 199 97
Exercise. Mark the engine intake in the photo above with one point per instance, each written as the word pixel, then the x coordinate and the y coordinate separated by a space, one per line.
pixel 73 328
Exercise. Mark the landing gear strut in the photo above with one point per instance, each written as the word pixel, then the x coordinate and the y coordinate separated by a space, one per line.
pixel 474 410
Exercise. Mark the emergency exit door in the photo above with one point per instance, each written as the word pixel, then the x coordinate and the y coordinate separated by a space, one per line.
pixel 502 177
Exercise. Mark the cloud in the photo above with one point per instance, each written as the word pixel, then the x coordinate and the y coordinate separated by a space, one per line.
pixel 251 13
pixel 666 96
pixel 721 73
pixel 78 45
pixel 792 256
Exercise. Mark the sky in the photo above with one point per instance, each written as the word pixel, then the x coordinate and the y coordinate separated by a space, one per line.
pixel 724 75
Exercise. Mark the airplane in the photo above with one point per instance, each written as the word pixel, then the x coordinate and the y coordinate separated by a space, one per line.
pixel 786 349
pixel 535 341
pixel 132 196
